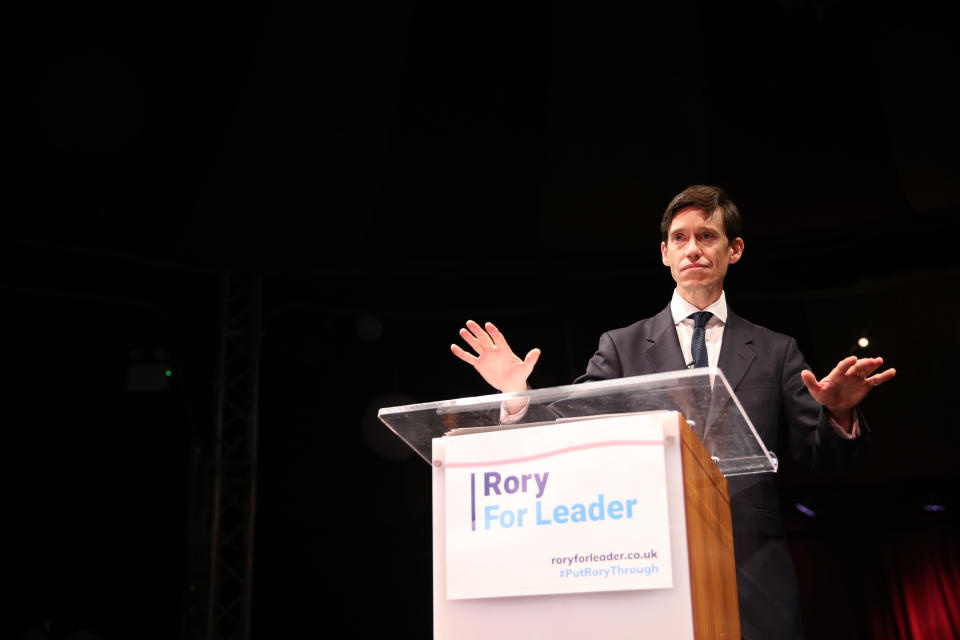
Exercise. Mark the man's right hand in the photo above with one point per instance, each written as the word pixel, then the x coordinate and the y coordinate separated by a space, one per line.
pixel 495 361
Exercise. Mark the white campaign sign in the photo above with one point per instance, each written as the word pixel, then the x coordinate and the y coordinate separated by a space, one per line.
pixel 562 508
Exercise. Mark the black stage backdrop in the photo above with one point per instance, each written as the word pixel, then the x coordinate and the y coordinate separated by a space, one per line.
pixel 394 170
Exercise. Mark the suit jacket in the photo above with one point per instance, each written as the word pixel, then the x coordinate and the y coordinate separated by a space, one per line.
pixel 763 368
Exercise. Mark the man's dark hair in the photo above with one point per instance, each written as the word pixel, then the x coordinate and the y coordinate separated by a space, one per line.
pixel 709 199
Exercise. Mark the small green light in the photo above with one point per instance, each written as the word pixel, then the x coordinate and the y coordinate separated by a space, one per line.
pixel 168 373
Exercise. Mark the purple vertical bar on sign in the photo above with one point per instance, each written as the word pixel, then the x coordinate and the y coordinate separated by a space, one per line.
pixel 473 504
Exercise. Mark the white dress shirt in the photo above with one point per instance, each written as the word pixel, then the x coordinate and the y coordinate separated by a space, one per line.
pixel 680 309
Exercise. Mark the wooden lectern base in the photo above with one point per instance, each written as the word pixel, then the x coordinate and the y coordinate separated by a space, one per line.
pixel 713 574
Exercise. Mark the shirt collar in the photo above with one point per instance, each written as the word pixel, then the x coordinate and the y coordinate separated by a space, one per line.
pixel 680 308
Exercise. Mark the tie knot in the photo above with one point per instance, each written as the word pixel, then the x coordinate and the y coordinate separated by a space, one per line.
pixel 700 318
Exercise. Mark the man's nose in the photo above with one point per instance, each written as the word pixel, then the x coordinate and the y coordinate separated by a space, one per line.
pixel 693 248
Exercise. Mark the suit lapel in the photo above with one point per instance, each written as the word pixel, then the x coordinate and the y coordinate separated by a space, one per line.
pixel 664 353
pixel 736 351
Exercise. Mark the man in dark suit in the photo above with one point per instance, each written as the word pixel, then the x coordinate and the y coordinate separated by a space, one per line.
pixel 700 233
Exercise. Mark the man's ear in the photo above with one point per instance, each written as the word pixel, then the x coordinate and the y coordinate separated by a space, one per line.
pixel 663 254
pixel 736 250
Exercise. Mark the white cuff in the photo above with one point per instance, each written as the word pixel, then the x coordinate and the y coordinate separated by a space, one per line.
pixel 512 418
pixel 853 434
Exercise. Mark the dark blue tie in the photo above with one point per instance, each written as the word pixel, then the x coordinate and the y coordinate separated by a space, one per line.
pixel 698 347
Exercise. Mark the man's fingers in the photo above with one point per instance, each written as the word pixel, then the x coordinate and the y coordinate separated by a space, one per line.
pixel 532 356
pixel 463 355
pixel 480 334
pixel 882 377
pixel 496 336
pixel 471 340
pixel 864 366
pixel 868 368
pixel 844 367
pixel 810 380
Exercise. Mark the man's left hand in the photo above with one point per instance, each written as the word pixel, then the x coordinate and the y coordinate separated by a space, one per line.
pixel 844 387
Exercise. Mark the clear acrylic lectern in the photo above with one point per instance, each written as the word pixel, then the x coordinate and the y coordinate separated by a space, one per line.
pixel 703 396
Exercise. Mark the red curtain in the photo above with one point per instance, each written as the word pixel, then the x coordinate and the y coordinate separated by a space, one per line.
pixel 918 597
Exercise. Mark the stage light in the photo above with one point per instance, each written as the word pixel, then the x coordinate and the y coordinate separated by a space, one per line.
pixel 863 343
pixel 168 373
pixel 934 507
pixel 805 510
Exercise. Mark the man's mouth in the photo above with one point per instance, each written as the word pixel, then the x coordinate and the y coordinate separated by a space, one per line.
pixel 693 266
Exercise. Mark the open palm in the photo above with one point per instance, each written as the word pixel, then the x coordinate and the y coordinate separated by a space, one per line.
pixel 494 359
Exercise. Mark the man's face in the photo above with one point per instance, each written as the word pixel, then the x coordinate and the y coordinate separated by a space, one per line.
pixel 698 253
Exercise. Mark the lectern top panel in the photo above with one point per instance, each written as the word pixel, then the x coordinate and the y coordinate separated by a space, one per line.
pixel 703 396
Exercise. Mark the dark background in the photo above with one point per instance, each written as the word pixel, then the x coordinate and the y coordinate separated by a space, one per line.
pixel 393 170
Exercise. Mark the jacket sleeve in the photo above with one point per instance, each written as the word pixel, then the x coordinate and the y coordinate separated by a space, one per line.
pixel 605 363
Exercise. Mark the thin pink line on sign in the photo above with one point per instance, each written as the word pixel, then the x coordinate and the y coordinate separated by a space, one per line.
pixel 537 456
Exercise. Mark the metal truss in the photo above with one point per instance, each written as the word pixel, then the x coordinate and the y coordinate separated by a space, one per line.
pixel 235 459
